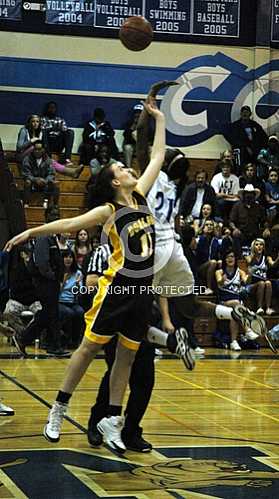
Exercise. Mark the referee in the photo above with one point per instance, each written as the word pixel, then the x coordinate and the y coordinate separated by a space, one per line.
pixel 142 375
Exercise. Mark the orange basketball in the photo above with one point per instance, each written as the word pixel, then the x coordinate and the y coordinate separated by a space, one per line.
pixel 136 33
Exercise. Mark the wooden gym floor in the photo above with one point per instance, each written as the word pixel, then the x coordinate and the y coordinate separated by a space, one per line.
pixel 214 432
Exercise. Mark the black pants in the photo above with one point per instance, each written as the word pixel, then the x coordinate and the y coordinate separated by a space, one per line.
pixel 47 292
pixel 141 384
pixel 50 191
pixel 56 143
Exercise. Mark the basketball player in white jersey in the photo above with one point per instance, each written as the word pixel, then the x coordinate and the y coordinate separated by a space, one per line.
pixel 173 277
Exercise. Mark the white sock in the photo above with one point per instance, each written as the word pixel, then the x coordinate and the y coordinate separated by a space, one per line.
pixel 155 335
pixel 224 313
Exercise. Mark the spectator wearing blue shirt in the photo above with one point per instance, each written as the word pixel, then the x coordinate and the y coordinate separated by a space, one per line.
pixel 70 312
pixel 272 195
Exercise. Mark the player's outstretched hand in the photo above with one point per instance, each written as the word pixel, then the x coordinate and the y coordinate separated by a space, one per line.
pixel 159 85
pixel 16 240
pixel 152 109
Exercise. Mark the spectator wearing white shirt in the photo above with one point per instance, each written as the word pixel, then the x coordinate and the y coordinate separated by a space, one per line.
pixel 226 187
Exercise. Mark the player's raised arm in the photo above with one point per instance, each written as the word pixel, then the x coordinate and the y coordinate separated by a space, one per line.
pixel 158 150
pixel 97 216
pixel 142 144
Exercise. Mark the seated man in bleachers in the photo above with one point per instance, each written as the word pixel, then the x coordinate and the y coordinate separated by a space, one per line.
pixel 196 194
pixel 248 218
pixel 23 298
pixel 226 187
pixel 97 132
pixel 59 136
pixel 39 175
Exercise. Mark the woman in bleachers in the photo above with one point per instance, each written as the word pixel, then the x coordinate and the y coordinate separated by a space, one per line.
pixel 260 286
pixel 206 213
pixel 82 246
pixel 230 278
pixel 70 312
pixel 28 135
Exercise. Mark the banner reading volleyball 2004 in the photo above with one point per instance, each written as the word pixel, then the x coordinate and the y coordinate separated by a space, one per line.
pixel 77 12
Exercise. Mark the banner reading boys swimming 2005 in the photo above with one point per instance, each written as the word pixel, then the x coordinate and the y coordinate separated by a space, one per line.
pixel 10 10
pixel 171 17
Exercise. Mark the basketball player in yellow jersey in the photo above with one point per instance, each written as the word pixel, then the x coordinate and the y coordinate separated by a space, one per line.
pixel 123 298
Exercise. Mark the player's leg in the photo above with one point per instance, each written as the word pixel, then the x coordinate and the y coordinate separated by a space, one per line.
pixel 100 409
pixel 77 367
pixel 112 425
pixel 141 385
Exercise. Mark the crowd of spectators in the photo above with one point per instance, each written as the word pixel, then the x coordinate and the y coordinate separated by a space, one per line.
pixel 232 217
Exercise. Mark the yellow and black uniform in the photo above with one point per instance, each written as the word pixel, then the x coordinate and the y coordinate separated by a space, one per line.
pixel 123 302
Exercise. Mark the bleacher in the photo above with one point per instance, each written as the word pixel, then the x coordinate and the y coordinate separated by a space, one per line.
pixel 72 203
pixel 73 191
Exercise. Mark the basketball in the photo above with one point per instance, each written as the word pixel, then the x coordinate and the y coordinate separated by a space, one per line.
pixel 136 33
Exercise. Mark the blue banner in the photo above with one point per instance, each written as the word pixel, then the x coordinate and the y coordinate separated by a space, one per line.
pixel 78 12
pixel 10 10
pixel 169 16
pixel 275 21
pixel 216 18
pixel 112 14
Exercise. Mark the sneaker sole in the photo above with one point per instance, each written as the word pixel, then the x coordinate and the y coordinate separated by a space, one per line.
pixel 7 414
pixel 250 319
pixel 48 438
pixel 141 451
pixel 112 445
pixel 270 343
pixel 188 356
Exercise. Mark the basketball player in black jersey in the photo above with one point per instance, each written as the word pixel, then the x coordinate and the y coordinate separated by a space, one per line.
pixel 122 302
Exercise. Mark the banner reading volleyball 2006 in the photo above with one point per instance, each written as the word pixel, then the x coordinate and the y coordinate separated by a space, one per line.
pixel 77 12
pixel 10 10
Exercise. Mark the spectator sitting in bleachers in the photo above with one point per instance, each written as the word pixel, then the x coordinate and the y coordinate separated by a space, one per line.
pixel 272 196
pixel 59 136
pixel 97 132
pixel 39 175
pixel 250 177
pixel 230 278
pixel 248 218
pixel 28 135
pixel 103 157
pixel 130 135
pixel 82 246
pixel 226 187
pixel 70 312
pixel 46 268
pixel 229 156
pixel 63 241
pixel 195 195
pixel 207 253
pixel 268 156
pixel 23 298
pixel 205 214
pixel 260 286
